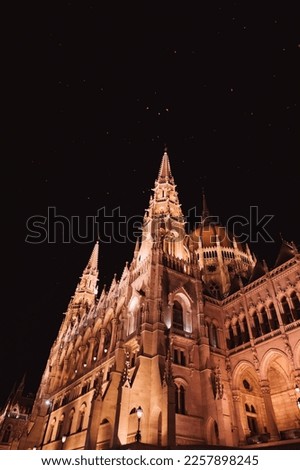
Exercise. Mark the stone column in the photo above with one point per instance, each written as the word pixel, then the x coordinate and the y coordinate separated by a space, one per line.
pixel 270 415
pixel 297 396
pixel 82 358
pixel 113 334
pixel 72 365
pixel 239 413
pixel 65 371
pixel 89 358
pixel 95 415
pixel 168 416
pixel 101 344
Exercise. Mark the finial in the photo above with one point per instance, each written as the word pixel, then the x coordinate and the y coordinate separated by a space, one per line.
pixel 205 211
pixel 265 266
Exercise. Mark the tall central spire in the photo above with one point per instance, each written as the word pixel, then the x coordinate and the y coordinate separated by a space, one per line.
pixel 165 200
pixel 164 219
pixel 165 174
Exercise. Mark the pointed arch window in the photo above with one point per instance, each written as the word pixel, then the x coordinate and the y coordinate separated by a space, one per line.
pixel 287 316
pixel 56 404
pixel 274 319
pixel 296 305
pixel 265 326
pixel 108 373
pixel 216 430
pixel 70 422
pixel 86 387
pixel 177 315
pixel 244 331
pixel 180 399
pixel 59 431
pixel 230 338
pixel 238 338
pixel 256 328
pixel 215 290
pixel 66 398
pixel 7 434
pixel 51 431
pixel 213 335
pixel 251 419
pixel 81 418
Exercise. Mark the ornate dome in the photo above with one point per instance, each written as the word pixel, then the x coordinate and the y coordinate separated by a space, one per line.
pixel 221 256
pixel 209 233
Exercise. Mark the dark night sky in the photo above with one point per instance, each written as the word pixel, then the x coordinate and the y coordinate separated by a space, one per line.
pixel 96 96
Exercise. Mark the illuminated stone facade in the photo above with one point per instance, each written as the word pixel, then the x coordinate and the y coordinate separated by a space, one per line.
pixel 197 332
pixel 14 417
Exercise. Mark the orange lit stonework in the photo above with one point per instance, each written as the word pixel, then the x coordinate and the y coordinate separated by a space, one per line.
pixel 196 333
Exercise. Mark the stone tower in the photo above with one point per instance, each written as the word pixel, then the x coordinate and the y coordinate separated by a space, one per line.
pixel 14 417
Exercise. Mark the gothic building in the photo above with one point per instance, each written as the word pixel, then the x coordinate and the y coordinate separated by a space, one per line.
pixel 197 344
pixel 14 417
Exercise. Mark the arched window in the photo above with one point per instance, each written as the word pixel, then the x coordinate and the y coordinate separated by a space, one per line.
pixel 247 386
pixel 180 399
pixel 214 290
pixel 296 306
pixel 245 331
pixel 265 321
pixel 251 419
pixel 65 399
pixel 177 316
pixel 216 430
pixel 179 357
pixel 230 338
pixel 56 404
pixel 51 431
pixel 213 335
pixel 256 328
pixel 71 417
pixel 287 316
pixel 81 417
pixel 274 319
pixel 108 373
pixel 7 434
pixel 85 387
pixel 238 338
pixel 60 427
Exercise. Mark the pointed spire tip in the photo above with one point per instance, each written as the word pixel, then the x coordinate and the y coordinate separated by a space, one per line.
pixel 165 173
pixel 205 211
